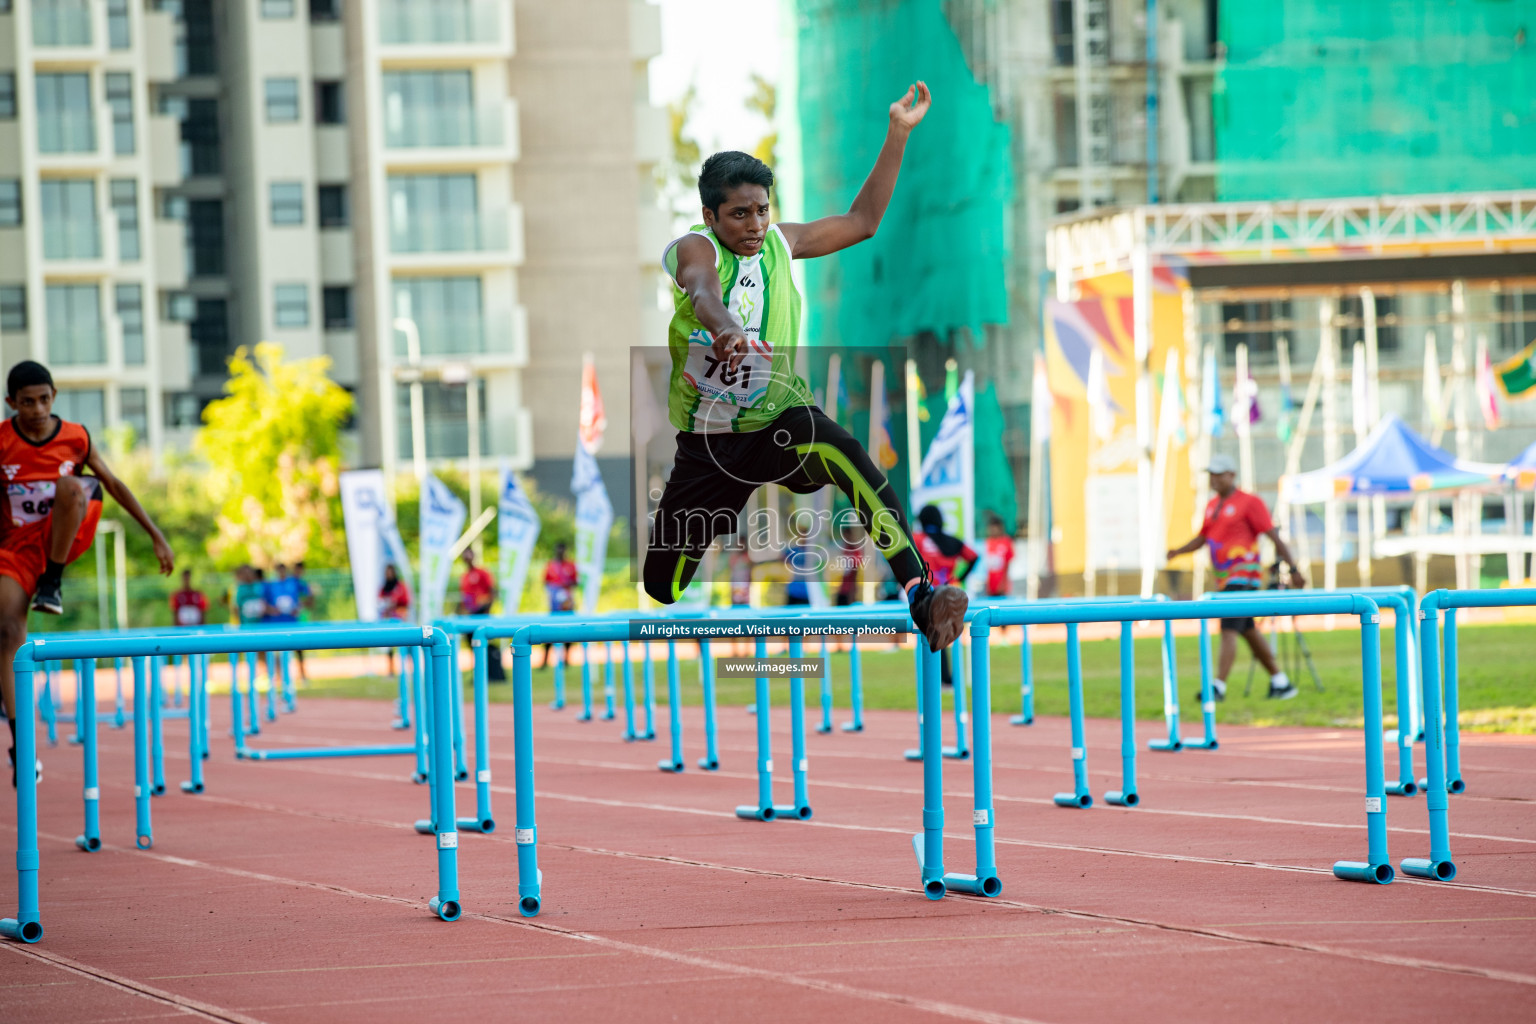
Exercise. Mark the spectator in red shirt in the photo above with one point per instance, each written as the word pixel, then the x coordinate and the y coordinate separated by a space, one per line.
pixel 560 578
pixel 394 603
pixel 999 554
pixel 477 592
pixel 950 560
pixel 189 606
pixel 1234 521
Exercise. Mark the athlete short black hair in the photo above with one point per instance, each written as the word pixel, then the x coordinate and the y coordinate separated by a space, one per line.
pixel 724 171
pixel 25 374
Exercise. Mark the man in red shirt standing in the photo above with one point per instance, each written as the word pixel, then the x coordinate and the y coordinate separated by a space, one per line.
pixel 560 578
pixel 189 606
pixel 477 592
pixel 1234 522
pixel 999 554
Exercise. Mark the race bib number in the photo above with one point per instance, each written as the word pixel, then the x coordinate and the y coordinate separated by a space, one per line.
pixel 714 379
pixel 188 615
pixel 30 502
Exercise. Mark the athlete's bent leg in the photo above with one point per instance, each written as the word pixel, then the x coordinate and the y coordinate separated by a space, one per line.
pixel 701 502
pixel 70 504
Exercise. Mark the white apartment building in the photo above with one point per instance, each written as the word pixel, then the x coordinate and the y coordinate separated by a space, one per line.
pixel 344 177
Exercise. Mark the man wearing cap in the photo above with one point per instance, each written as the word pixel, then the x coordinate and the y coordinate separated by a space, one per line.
pixel 1234 522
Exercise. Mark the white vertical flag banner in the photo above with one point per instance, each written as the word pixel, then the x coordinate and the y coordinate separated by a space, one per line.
pixel 442 520
pixel 373 538
pixel 517 528
pixel 947 477
pixel 594 518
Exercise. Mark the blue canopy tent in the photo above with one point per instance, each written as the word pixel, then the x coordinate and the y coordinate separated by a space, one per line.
pixel 1521 470
pixel 1392 462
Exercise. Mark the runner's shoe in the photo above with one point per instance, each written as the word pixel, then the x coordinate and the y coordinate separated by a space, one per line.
pixel 1218 690
pixel 938 613
pixel 1285 692
pixel 12 752
pixel 48 599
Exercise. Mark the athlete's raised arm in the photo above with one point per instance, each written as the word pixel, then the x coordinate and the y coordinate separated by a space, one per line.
pixel 696 275
pixel 124 497
pixel 829 234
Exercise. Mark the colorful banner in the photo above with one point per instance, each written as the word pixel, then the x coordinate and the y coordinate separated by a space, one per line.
pixel 1517 375
pixel 882 448
pixel 373 538
pixel 1094 491
pixel 517 528
pixel 594 518
pixel 947 477
pixel 442 520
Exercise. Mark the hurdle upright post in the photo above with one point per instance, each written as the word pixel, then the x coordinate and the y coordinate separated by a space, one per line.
pixel 764 810
pixel 802 807
pixel 558 703
pixel 1438 865
pixel 119 719
pixel 403 702
pixel 649 677
pixel 674 713
pixel 456 716
pixel 27 925
pixel 1378 865
pixel 48 708
pixel 855 688
pixel 826 688
pixel 929 844
pixel 1126 795
pixel 253 705
pixel 608 712
pixel 195 723
pixel 1026 715
pixel 959 675
pixel 1170 692
pixel 271 686
pixel 85 705
pixel 526 827
pixel 144 836
pixel 985 881
pixel 711 759
pixel 440 677
pixel 156 743
pixel 1080 796
pixel 1453 780
pixel 586 683
pixel 629 696
pixel 483 821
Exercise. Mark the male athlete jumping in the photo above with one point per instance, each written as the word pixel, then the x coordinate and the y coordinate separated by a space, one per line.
pixel 744 418
pixel 50 514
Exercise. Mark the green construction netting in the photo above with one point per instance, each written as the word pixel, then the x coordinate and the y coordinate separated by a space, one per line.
pixel 939 265
pixel 1320 98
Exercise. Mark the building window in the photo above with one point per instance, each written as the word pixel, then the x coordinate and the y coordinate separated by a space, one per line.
pixel 290 305
pixel 277 8
pixel 85 406
pixel 282 100
pixel 120 99
pixel 75 337
pixel 1352 309
pixel 130 315
pixel 10 202
pixel 433 213
pixel 210 338
pixel 333 206
pixel 330 103
pixel 205 236
pixel 64 122
pixel 119 33
pixel 1516 312
pixel 200 138
pixel 133 409
pixel 202 46
pixel 445 410
pixel 7 95
pixel 61 23
pixel 338 308
pixel 446 312
pixel 1062 33
pixel 324 10
pixel 125 207
pixel 287 203
pixel 69 219
pixel 1257 325
pixel 13 307
pixel 428 108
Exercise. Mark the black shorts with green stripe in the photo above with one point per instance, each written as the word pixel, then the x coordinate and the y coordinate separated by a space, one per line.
pixel 714 475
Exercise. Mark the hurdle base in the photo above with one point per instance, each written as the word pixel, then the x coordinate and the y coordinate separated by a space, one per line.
pixel 144 842
pixel 192 787
pixel 306 753
pixel 973 886
pixel 608 716
pixel 751 812
pixel 1210 744
pixel 448 910
pixel 1022 720
pixel 853 727
pixel 158 790
pixel 1452 786
pixel 557 705
pixel 1174 744
pixel 25 931
pixel 668 765
pixel 933 888
pixel 1423 867
pixel 459 775
pixel 485 826
pixel 823 729
pixel 90 844
pixel 708 764
pixel 1358 871
pixel 1082 800
pixel 584 717
pixel 400 723
pixel 1121 798
pixel 1409 788
pixel 420 778
pixel 954 753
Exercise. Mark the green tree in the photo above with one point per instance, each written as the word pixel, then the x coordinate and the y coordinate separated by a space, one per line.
pixel 764 102
pixel 273 449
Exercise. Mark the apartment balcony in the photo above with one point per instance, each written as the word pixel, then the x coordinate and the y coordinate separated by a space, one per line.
pixel 69 31
pixel 164 151
pixel 498 340
pixel 653 134
pixel 424 31
pixel 80 248
pixel 159 46
pixel 469 241
pixel 77 145
pixel 78 354
pixel 644 30
pixel 170 255
pixel 503 436
pixel 655 233
pixel 421 139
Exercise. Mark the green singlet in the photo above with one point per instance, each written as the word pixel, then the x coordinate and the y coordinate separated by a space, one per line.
pixel 707 397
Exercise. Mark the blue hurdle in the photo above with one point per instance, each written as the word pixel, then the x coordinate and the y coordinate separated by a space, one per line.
pixel 1441 737
pixel 27 924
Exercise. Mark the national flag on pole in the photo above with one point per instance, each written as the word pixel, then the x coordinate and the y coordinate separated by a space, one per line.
pixel 593 421
pixel 881 448
pixel 1211 395
pixel 594 518
pixel 1487 388
pixel 948 474
pixel 1516 376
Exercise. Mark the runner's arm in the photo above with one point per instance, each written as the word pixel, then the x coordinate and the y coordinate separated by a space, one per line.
pixel 696 275
pixel 1183 549
pixel 1284 551
pixel 124 497
pixel 830 234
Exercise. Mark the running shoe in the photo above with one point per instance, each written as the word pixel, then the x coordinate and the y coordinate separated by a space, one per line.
pixel 1285 692
pixel 1218 690
pixel 48 599
pixel 12 752
pixel 938 613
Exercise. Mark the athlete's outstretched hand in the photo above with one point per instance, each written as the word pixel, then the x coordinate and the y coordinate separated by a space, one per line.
pixel 731 344
pixel 908 112
pixel 163 555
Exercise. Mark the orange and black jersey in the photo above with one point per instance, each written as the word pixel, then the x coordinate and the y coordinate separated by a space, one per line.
pixel 32 469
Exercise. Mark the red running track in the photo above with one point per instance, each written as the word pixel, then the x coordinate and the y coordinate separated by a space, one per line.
pixel 297 891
